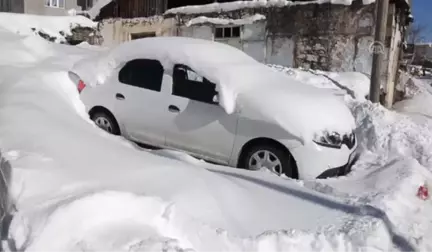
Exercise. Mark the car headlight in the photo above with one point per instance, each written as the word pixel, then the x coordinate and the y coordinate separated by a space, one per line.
pixel 352 140
pixel 332 140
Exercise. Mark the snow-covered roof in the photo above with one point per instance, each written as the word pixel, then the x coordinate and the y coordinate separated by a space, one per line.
pixel 231 6
pixel 224 21
pixel 237 5
pixel 242 83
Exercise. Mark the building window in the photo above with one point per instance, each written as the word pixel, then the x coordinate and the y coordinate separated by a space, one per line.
pixel 142 35
pixel 227 32
pixel 55 3
pixel 85 4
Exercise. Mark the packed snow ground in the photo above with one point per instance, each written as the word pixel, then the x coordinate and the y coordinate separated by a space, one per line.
pixel 78 188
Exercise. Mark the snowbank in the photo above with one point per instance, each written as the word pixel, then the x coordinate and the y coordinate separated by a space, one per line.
pixel 57 27
pixel 156 203
pixel 62 189
pixel 242 83
pixel 355 84
pixel 237 5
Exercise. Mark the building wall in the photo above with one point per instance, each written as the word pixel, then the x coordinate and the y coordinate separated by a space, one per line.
pixel 319 36
pixel 422 52
pixel 393 32
pixel 38 7
pixel 16 6
pixel 116 31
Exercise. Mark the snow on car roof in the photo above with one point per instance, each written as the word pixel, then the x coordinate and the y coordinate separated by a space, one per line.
pixel 242 82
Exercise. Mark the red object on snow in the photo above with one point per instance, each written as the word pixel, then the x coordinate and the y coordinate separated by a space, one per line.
pixel 81 86
pixel 423 192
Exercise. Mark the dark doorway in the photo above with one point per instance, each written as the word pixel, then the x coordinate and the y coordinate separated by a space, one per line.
pixel 142 35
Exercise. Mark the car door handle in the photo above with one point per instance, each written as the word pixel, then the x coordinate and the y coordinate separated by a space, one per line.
pixel 119 96
pixel 173 109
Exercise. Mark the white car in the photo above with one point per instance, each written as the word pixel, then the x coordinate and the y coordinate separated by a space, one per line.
pixel 216 103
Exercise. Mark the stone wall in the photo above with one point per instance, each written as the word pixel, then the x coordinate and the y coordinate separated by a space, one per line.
pixel 319 36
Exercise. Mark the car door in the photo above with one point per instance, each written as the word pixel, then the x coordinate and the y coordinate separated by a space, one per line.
pixel 139 101
pixel 197 124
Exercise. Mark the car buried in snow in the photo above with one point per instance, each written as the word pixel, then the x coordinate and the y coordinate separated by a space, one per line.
pixel 215 102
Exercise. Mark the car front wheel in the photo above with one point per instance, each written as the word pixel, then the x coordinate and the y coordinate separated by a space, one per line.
pixel 106 122
pixel 270 157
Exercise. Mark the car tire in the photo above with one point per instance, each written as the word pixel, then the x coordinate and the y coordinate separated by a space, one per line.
pixel 106 122
pixel 286 161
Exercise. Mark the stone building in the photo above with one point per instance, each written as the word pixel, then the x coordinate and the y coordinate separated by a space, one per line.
pixel 44 7
pixel 326 36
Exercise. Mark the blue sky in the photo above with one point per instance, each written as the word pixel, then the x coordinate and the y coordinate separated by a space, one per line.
pixel 422 10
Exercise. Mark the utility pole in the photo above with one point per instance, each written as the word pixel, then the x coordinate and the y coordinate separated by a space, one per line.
pixel 378 49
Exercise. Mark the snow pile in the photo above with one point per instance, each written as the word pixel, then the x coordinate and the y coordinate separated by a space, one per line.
pixel 242 83
pixel 237 5
pixel 57 27
pixel 354 84
pixel 132 200
pixel 224 21
pixel 148 202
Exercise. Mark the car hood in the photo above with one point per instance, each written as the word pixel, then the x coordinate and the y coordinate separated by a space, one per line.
pixel 299 108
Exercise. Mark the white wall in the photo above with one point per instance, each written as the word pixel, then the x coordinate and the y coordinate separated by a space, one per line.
pixel 253 41
pixel 280 51
pixel 117 31
pixel 38 7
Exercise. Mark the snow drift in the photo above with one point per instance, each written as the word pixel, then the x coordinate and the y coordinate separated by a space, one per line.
pixel 354 84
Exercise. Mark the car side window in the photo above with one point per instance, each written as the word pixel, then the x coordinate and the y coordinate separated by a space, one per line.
pixel 188 84
pixel 142 73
